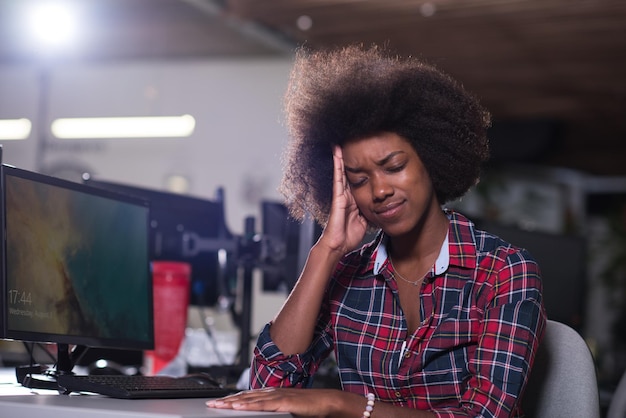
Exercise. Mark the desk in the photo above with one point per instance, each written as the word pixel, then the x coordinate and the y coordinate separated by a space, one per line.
pixel 17 401
pixel 96 406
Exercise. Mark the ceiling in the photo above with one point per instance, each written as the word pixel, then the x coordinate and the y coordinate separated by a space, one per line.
pixel 552 69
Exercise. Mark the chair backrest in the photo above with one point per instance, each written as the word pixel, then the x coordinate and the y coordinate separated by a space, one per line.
pixel 563 380
pixel 617 407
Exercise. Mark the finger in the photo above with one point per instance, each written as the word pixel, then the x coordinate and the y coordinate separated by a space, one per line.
pixel 224 402
pixel 339 175
pixel 239 397
pixel 253 400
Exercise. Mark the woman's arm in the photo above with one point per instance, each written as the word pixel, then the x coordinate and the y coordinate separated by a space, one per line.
pixel 330 403
pixel 293 327
pixel 512 328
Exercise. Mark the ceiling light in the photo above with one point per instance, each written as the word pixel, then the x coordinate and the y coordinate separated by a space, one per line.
pixel 428 9
pixel 53 24
pixel 124 127
pixel 14 129
pixel 304 23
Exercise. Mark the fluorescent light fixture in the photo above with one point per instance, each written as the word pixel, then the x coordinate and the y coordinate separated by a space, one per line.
pixel 14 129
pixel 124 127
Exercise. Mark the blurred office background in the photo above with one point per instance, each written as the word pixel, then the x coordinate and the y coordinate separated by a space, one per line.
pixel 553 73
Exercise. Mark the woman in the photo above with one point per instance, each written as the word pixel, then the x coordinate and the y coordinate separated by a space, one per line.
pixel 433 317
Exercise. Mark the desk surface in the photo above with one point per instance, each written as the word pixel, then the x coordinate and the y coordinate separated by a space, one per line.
pixel 95 406
pixel 17 401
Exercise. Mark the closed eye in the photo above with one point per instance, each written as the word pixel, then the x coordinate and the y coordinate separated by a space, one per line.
pixel 396 168
pixel 357 183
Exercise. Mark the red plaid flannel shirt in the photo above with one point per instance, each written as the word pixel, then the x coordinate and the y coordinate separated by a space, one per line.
pixel 482 321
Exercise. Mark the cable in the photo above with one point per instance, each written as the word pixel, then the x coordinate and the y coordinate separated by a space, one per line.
pixel 212 339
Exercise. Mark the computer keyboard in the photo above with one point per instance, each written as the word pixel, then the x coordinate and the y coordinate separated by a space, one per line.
pixel 143 387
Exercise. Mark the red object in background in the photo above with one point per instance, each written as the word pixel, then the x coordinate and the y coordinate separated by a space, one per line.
pixel 171 287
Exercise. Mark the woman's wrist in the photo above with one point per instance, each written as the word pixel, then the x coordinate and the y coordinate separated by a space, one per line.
pixel 344 404
pixel 322 251
pixel 369 405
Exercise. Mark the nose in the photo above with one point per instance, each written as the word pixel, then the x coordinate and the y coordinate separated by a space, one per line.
pixel 381 189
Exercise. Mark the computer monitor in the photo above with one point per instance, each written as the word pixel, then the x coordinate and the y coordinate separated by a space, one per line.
pixel 189 229
pixel 288 241
pixel 562 259
pixel 75 265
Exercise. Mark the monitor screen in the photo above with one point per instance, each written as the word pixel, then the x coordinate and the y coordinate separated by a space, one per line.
pixel 75 265
pixel 189 229
pixel 563 262
pixel 289 242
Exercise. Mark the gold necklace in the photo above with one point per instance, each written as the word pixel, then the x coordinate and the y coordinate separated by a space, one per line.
pixel 397 273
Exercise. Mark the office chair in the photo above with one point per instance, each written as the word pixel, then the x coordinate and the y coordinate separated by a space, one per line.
pixel 617 407
pixel 563 380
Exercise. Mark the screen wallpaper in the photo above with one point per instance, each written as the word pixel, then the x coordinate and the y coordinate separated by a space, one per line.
pixel 76 263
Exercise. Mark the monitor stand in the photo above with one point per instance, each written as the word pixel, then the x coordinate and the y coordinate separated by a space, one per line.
pixel 39 376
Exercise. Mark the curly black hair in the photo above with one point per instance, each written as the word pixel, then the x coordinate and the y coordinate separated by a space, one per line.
pixel 334 96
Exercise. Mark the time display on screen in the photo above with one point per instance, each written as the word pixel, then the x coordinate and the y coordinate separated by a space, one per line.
pixel 20 297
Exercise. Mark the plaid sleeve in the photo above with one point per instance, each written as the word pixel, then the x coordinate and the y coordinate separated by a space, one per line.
pixel 512 328
pixel 271 368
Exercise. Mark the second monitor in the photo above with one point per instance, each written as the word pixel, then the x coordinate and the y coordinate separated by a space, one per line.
pixel 177 223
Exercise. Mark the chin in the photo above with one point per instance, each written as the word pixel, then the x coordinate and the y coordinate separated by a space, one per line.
pixel 399 229
pixel 394 231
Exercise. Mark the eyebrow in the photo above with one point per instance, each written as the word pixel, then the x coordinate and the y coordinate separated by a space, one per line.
pixel 381 162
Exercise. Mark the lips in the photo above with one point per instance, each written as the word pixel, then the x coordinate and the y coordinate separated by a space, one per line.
pixel 389 210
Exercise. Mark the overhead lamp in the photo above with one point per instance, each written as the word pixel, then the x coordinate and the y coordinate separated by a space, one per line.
pixel 428 9
pixel 124 127
pixel 304 23
pixel 53 24
pixel 14 129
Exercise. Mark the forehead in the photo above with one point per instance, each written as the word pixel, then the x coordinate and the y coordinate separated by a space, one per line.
pixel 375 148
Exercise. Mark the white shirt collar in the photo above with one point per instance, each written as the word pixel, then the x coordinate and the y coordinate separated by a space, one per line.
pixel 441 264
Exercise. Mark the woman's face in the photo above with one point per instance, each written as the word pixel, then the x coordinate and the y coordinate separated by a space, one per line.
pixel 389 183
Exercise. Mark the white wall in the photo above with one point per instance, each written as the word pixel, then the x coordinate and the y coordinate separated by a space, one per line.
pixel 237 142
pixel 19 94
